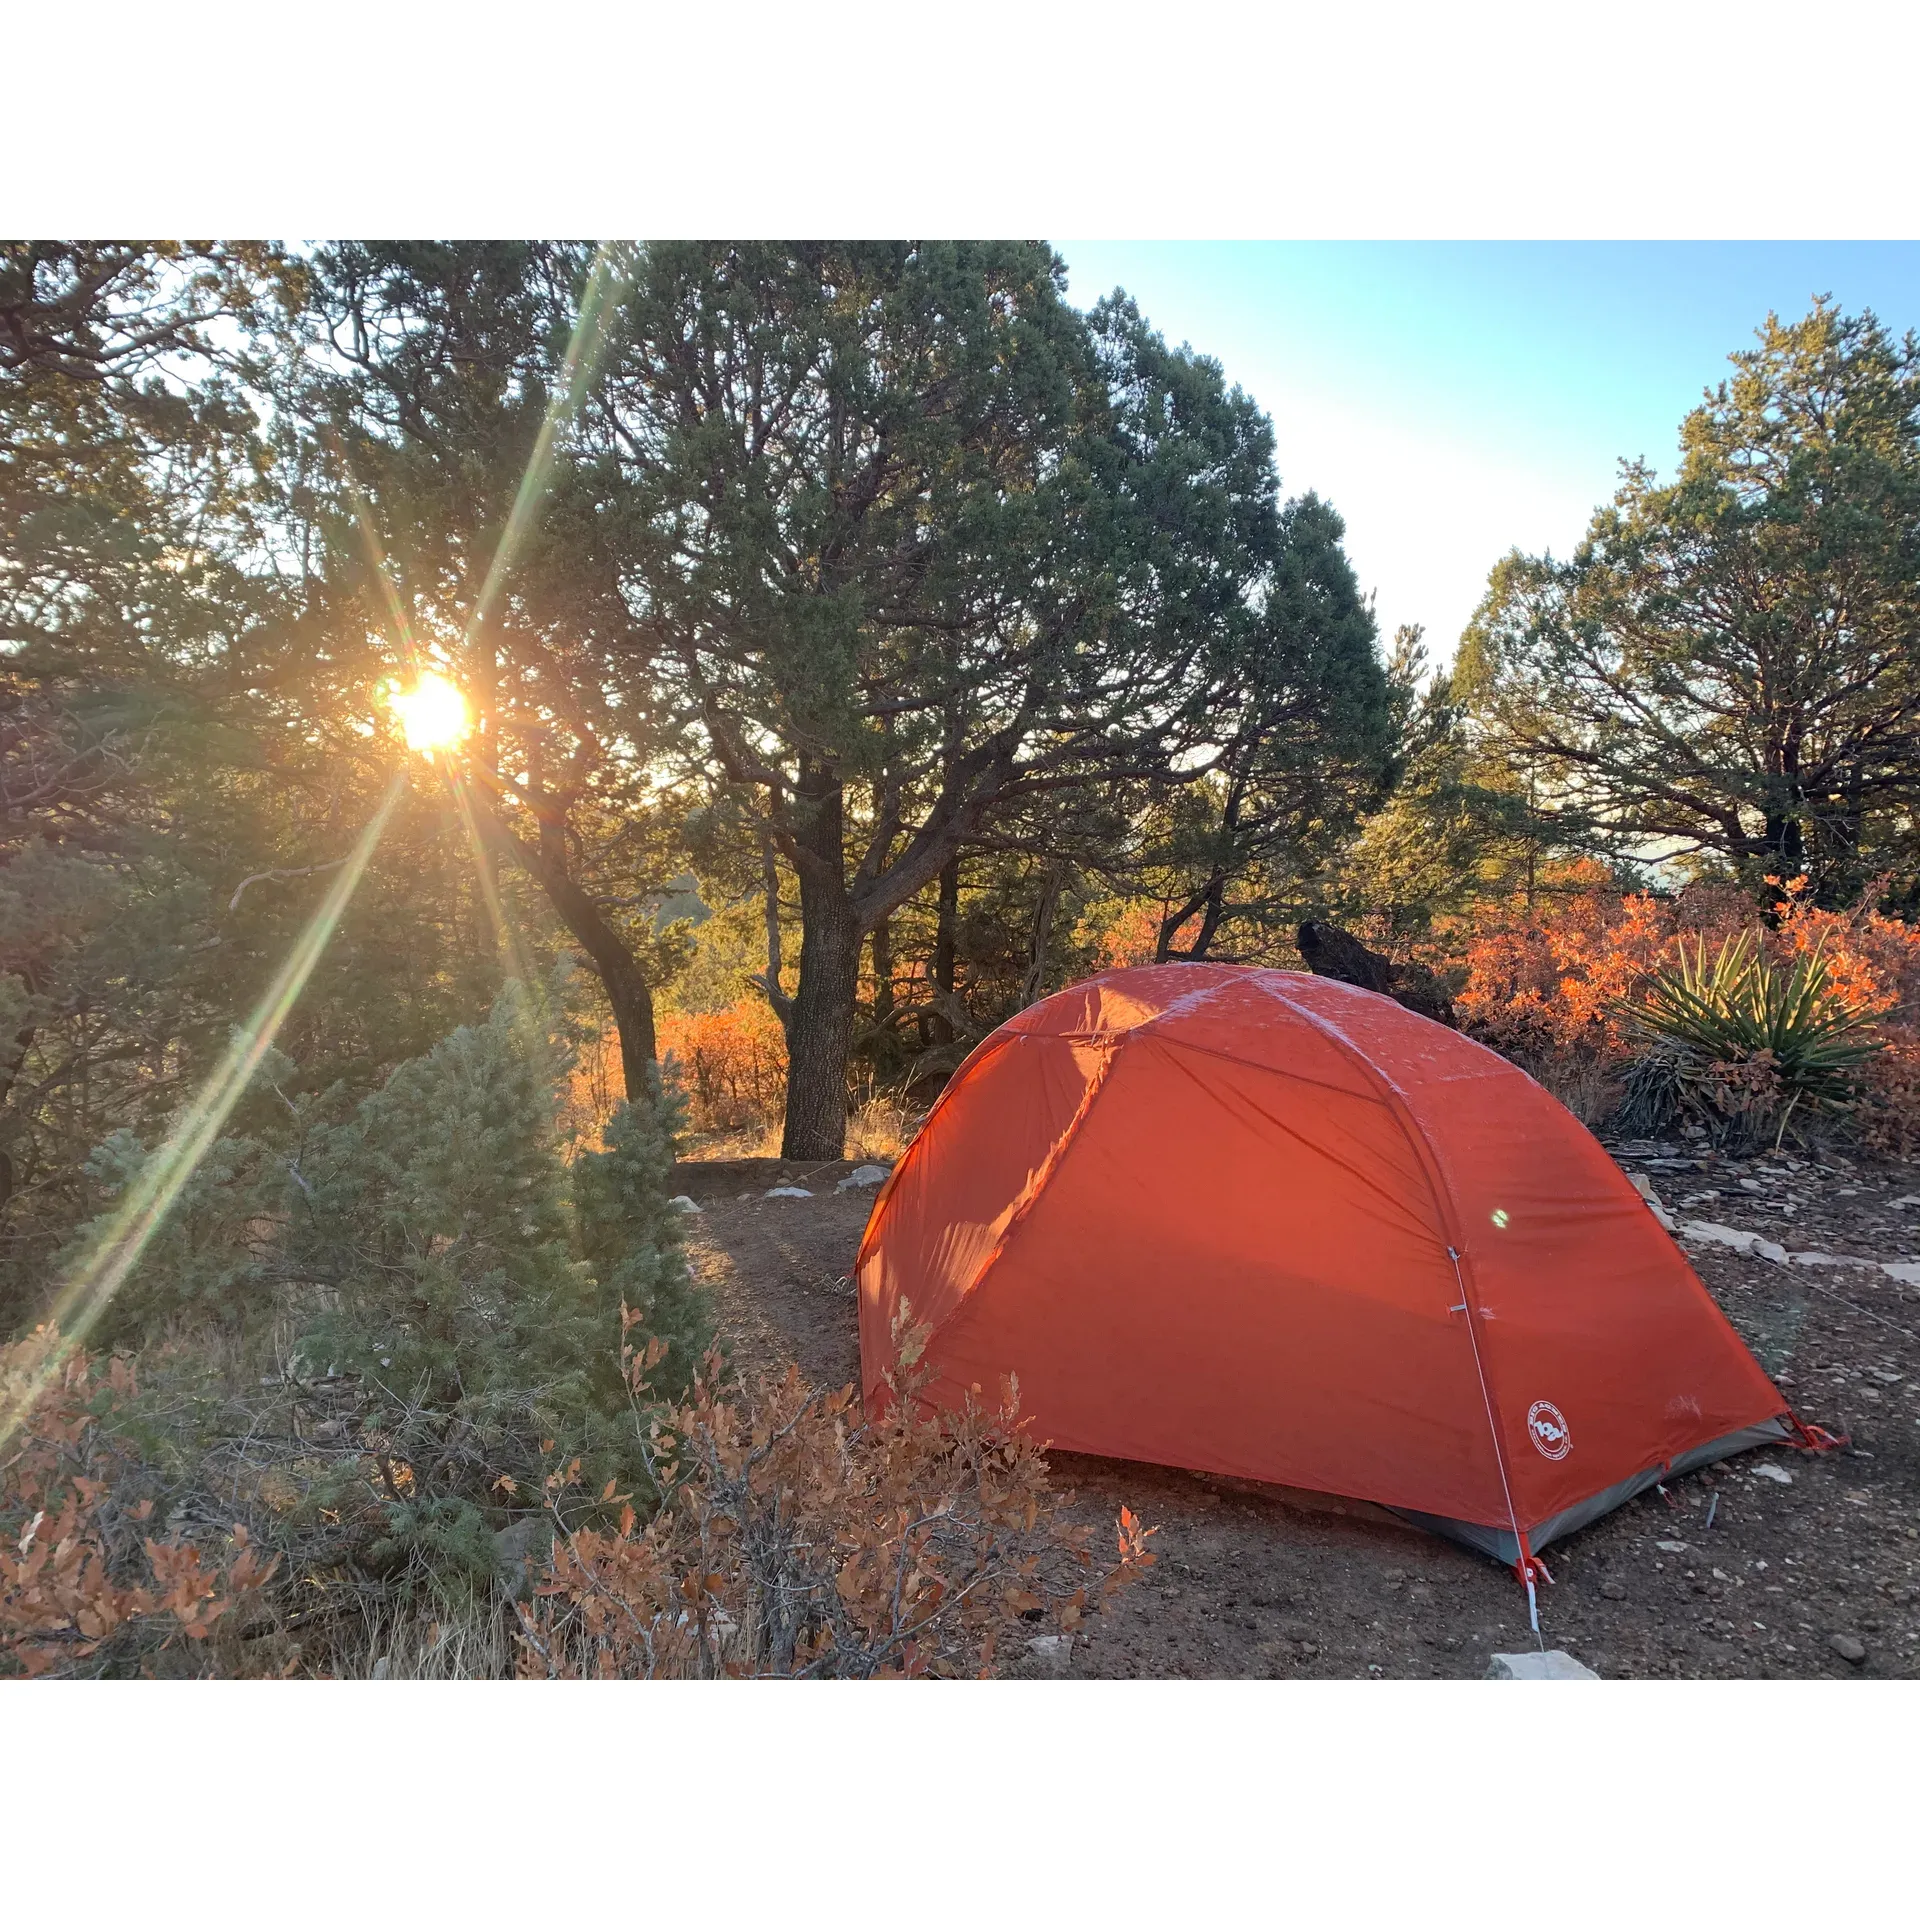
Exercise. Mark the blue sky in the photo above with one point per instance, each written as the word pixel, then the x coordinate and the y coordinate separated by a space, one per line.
pixel 1454 400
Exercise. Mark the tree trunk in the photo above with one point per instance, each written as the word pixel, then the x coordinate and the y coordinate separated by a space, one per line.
pixel 1035 982
pixel 1337 955
pixel 22 1041
pixel 770 904
pixel 1210 922
pixel 820 1030
pixel 945 948
pixel 628 993
pixel 627 990
pixel 882 970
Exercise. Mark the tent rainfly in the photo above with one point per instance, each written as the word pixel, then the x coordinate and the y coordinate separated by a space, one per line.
pixel 1257 1223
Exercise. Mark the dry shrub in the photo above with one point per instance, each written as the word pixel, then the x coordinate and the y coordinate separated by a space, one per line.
pixel 732 1065
pixel 89 1583
pixel 792 1539
pixel 595 1084
pixel 1543 981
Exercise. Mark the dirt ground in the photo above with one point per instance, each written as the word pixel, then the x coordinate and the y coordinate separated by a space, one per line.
pixel 1729 1573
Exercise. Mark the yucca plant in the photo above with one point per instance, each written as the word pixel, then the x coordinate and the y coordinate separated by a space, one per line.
pixel 1743 1042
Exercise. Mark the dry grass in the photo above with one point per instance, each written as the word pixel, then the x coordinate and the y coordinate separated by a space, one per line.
pixel 476 1644
pixel 878 1129
pixel 1589 1089
pixel 759 1141
pixel 881 1129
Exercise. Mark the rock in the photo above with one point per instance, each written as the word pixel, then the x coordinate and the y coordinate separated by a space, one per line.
pixel 1671 1546
pixel 513 1547
pixel 786 1193
pixel 382 1668
pixel 863 1177
pixel 1737 1238
pixel 684 1203
pixel 1551 1665
pixel 1644 1188
pixel 1613 1590
pixel 1774 1471
pixel 1907 1270
pixel 1848 1648
pixel 1051 1652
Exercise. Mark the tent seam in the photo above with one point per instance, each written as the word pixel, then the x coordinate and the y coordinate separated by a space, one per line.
pixel 1043 1177
pixel 1437 1184
pixel 1010 1034
pixel 983 1051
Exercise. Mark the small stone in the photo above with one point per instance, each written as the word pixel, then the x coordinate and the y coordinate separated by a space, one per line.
pixel 1552 1665
pixel 684 1203
pixel 1774 1471
pixel 786 1193
pixel 1613 1590
pixel 862 1177
pixel 1671 1546
pixel 1848 1648
pixel 383 1668
pixel 1051 1652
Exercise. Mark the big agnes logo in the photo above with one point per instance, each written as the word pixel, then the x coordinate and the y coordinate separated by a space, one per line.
pixel 1547 1427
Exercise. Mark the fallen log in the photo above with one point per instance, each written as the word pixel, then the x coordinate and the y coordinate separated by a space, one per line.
pixel 1335 954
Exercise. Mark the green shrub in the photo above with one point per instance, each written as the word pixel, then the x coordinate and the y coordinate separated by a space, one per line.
pixel 1747 1046
pixel 442 1283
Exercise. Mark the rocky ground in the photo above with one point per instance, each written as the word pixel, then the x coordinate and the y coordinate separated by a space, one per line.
pixel 1775 1564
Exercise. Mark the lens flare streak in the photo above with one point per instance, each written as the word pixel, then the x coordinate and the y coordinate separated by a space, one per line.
pixel 434 718
pixel 150 1196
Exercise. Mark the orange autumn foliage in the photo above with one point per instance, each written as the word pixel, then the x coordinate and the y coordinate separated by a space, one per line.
pixel 85 1578
pixel 790 1537
pixel 1545 983
pixel 1132 939
pixel 732 1064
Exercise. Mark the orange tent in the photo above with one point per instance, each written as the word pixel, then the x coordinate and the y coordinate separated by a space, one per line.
pixel 1263 1224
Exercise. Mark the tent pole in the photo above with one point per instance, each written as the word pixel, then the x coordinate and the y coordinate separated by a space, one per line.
pixel 1523 1555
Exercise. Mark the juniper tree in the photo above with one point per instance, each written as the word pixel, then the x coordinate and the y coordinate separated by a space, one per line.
pixel 915 542
pixel 1728 668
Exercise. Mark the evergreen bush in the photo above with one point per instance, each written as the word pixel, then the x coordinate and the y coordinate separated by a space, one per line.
pixel 453 1267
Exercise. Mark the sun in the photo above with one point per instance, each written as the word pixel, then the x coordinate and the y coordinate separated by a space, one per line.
pixel 433 713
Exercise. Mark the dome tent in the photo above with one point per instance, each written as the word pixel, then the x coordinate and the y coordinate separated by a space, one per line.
pixel 1259 1223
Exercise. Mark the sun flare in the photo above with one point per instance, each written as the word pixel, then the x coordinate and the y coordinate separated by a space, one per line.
pixel 433 713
